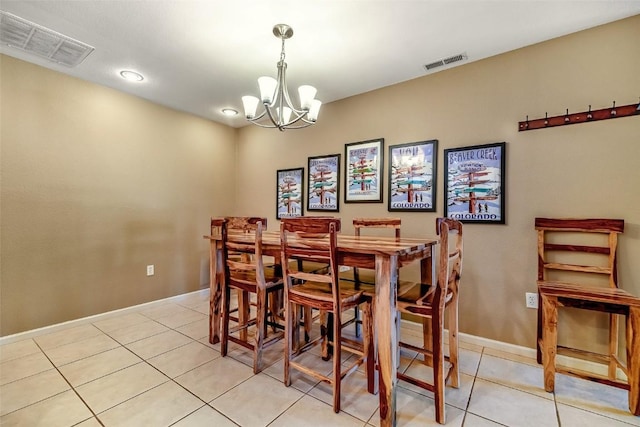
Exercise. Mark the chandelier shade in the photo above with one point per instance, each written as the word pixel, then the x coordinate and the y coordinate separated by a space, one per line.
pixel 275 100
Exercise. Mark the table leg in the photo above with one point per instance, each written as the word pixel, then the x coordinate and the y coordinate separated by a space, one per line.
pixel 386 318
pixel 216 274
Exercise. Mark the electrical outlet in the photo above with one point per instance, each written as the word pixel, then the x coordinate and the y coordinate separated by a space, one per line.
pixel 531 299
pixel 150 270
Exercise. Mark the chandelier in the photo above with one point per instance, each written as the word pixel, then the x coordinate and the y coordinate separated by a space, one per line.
pixel 275 99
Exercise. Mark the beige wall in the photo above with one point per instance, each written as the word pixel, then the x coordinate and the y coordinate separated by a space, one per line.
pixel 97 184
pixel 587 170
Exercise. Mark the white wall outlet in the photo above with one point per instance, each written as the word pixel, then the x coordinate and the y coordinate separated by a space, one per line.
pixel 531 299
pixel 150 270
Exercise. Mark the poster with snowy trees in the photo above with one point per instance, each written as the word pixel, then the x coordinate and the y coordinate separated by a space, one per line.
pixel 363 170
pixel 289 198
pixel 474 186
pixel 323 186
pixel 412 176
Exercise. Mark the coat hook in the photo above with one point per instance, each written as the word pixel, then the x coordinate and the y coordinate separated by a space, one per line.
pixel 589 115
pixel 526 125
pixel 546 119
pixel 613 109
pixel 566 117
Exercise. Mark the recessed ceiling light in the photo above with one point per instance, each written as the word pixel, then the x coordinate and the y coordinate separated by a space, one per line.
pixel 229 112
pixel 131 76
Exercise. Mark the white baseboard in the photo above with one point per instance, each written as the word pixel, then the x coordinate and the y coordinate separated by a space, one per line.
pixel 90 319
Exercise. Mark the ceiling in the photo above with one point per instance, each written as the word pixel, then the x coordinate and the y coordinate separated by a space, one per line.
pixel 202 56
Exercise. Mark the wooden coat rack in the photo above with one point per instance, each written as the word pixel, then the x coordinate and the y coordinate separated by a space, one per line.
pixel 586 116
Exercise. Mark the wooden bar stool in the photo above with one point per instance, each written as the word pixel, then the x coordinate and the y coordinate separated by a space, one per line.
pixel 575 247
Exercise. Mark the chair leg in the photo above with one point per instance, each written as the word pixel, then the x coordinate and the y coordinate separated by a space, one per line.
pixel 539 333
pixel 261 317
pixel 633 359
pixel 328 336
pixel 453 342
pixel 289 315
pixel 308 320
pixel 438 367
pixel 224 341
pixel 549 340
pixel 337 348
pixel 244 307
pixel 613 345
pixel 427 340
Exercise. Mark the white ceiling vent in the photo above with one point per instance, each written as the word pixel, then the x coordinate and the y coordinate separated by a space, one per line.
pixel 446 61
pixel 38 40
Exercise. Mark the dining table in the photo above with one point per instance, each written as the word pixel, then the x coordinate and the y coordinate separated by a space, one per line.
pixel 385 255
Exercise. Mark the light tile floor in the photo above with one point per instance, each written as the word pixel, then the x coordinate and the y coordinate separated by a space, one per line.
pixel 155 367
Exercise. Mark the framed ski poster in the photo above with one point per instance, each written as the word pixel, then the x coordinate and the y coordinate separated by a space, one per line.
pixel 323 183
pixel 474 186
pixel 363 169
pixel 412 176
pixel 290 193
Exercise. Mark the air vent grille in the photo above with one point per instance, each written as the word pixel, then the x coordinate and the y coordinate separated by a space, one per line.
pixel 43 42
pixel 446 61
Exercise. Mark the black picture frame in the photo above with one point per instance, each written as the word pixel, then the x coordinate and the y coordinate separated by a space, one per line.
pixel 289 193
pixel 413 176
pixel 363 169
pixel 323 183
pixel 474 189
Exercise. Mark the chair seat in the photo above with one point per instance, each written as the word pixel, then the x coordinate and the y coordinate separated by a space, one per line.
pixel 417 293
pixel 368 289
pixel 614 296
pixel 249 277
pixel 322 292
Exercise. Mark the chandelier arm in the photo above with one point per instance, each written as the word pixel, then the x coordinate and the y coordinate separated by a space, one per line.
pixel 299 116
pixel 260 116
pixel 262 125
pixel 307 124
pixel 271 117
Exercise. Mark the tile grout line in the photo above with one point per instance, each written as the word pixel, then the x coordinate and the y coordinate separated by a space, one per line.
pixel 70 386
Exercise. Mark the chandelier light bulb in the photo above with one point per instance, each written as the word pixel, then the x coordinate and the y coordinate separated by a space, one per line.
pixel 307 94
pixel 267 89
pixel 250 104
pixel 314 110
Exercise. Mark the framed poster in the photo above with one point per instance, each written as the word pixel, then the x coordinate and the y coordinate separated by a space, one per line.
pixel 323 183
pixel 290 193
pixel 412 176
pixel 363 170
pixel 474 185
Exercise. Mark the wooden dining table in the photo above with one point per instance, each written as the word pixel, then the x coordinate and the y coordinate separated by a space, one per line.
pixel 385 255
